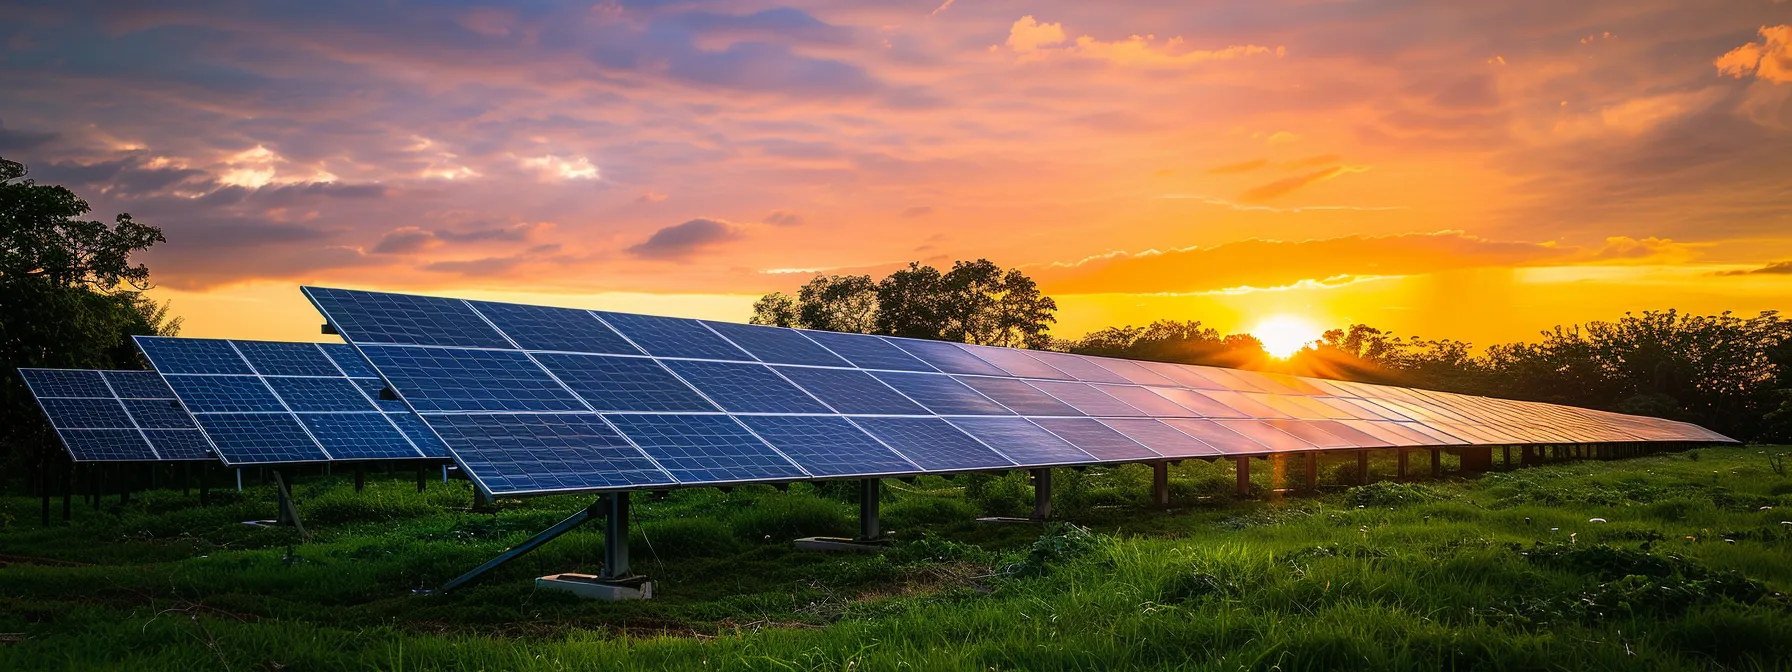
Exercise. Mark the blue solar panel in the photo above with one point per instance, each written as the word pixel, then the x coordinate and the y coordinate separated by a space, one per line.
pixel 827 446
pixel 561 329
pixel 745 388
pixel 350 362
pixel 260 438
pixel 1019 396
pixel 674 337
pixel 192 355
pixel 371 387
pixel 159 414
pixel 358 436
pixel 776 345
pixel 527 453
pixel 941 394
pixel 933 444
pixel 1147 400
pixel 1161 438
pixel 179 444
pixel 1096 439
pixel 705 448
pixel 852 392
pixel 1087 398
pixel 106 445
pixel 138 385
pixel 414 429
pixel 85 413
pixel 286 359
pixel 946 357
pixel 65 383
pixel 445 379
pixel 1023 441
pixel 868 352
pixel 224 394
pixel 319 394
pixel 610 383
pixel 404 319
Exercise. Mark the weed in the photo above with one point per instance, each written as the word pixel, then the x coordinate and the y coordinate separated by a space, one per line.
pixel 1392 494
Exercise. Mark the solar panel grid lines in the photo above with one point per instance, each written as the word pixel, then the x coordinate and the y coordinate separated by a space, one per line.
pixel 1161 438
pixel 1025 443
pixel 115 416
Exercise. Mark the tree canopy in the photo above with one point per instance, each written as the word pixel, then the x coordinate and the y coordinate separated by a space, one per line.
pixel 975 302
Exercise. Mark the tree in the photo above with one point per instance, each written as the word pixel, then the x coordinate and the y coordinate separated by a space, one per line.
pixel 70 297
pixel 838 303
pixel 776 309
pixel 908 302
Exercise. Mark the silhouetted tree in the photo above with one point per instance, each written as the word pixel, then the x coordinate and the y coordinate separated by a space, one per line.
pixel 69 296
pixel 975 302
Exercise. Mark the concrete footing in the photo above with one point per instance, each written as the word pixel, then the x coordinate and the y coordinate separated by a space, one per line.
pixel 594 588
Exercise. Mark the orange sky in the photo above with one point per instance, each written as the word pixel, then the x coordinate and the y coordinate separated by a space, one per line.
pixel 1477 171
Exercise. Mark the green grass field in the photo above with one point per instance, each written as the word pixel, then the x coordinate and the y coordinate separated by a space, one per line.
pixel 1503 571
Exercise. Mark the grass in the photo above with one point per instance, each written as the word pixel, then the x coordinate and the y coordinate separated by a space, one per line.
pixel 1685 568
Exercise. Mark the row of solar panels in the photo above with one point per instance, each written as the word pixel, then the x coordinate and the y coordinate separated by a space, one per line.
pixel 533 399
pixel 258 402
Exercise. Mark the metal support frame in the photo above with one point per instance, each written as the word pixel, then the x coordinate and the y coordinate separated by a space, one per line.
pixel 870 526
pixel 421 482
pixel 616 538
pixel 288 513
pixel 1437 463
pixel 1362 467
pixel 205 484
pixel 1042 494
pixel 1400 468
pixel 1160 484
pixel 1244 475
pixel 360 477
pixel 584 515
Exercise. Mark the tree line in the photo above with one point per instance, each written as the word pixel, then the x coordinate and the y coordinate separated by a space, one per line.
pixel 1729 373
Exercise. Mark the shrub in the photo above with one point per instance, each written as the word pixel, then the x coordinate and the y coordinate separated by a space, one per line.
pixel 343 506
pixel 1006 495
pixel 1389 493
pixel 1061 543
pixel 921 511
pixel 788 517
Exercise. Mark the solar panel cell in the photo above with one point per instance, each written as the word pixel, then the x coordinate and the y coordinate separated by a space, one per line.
pixel 224 394
pixel 179 444
pixel 624 383
pixel 1017 363
pixel 348 360
pixel 560 329
pixel 85 413
pixel 1025 443
pixel 1019 396
pixel 700 449
pixel 319 394
pixel 373 389
pixel 745 388
pixel 358 436
pixel 674 337
pixel 868 352
pixel 776 345
pixel 65 383
pixel 1200 404
pixel 514 454
pixel 404 319
pixel 1213 434
pixel 286 359
pixel 138 385
pixel 941 394
pixel 1087 398
pixel 419 433
pixel 1261 432
pixel 1096 439
pixel 1078 366
pixel 1147 400
pixel 260 438
pixel 851 392
pixel 827 446
pixel 192 355
pixel 106 445
pixel 933 444
pixel 947 357
pixel 159 414
pixel 446 380
pixel 1161 438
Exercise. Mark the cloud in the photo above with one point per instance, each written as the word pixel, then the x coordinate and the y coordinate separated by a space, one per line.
pixel 1770 59
pixel 783 218
pixel 1274 263
pixel 411 239
pixel 498 265
pixel 1032 40
pixel 11 140
pixel 561 169
pixel 1652 250
pixel 407 240
pixel 1775 268
pixel 1289 185
pixel 680 241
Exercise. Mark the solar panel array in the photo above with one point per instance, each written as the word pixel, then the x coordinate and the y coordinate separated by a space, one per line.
pixel 265 402
pixel 116 416
pixel 533 399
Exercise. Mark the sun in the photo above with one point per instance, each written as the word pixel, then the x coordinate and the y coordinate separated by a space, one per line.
pixel 1284 335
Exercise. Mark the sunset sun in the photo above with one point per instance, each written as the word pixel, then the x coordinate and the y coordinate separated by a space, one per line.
pixel 1284 335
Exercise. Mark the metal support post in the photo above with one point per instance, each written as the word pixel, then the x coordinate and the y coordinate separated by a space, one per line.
pixel 1042 494
pixel 1400 468
pixel 68 491
pixel 420 482
pixel 1244 476
pixel 1437 463
pixel 360 477
pixel 205 484
pixel 1160 483
pixel 870 528
pixel 1362 467
pixel 562 527
pixel 616 538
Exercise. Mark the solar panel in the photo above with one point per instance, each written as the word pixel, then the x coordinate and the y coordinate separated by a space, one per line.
pixel 297 402
pixel 116 416
pixel 687 402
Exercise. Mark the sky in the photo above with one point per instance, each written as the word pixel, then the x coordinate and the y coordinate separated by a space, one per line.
pixel 1477 171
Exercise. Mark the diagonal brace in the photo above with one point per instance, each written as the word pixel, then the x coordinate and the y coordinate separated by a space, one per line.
pixel 545 536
